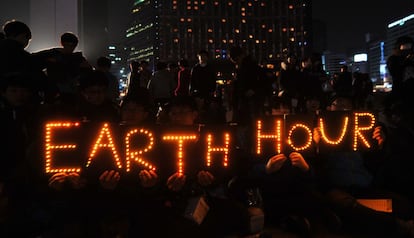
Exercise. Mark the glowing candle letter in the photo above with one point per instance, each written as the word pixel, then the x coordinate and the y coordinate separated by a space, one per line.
pixel 49 147
pixel 110 144
pixel 358 129
pixel 309 133
pixel 341 136
pixel 137 155
pixel 224 149
pixel 277 136
pixel 180 139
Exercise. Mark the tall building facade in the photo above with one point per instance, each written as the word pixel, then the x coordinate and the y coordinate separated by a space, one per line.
pixel 171 29
pixel 88 19
pixel 400 27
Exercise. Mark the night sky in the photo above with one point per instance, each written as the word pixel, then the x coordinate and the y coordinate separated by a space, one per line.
pixel 348 21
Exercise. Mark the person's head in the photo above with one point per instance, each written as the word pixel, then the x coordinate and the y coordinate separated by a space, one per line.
pixel 69 41
pixel 236 54
pixel 135 109
pixel 306 63
pixel 144 65
pixel 16 89
pixel 93 86
pixel 280 106
pixel 344 68
pixel 18 31
pixel 172 66
pixel 161 65
pixel 340 103
pixel 182 111
pixel 134 66
pixel 202 57
pixel 313 104
pixel 183 63
pixel 103 63
pixel 404 44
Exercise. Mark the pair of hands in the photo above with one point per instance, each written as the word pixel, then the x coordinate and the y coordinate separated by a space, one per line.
pixel 109 179
pixel 277 161
pixel 378 134
pixel 58 180
pixel 176 181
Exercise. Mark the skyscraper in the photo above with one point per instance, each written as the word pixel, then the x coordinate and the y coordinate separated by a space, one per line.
pixel 170 29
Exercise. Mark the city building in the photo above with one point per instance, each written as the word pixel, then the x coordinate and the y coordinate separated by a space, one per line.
pixel 400 27
pixel 48 19
pixel 333 62
pixel 170 29
pixel 377 61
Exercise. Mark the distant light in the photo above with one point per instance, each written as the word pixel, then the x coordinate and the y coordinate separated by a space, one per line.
pixel 401 21
pixel 111 47
pixel 360 57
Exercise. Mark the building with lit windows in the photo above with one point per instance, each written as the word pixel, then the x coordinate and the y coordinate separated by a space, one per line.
pixel 170 29
pixel 400 27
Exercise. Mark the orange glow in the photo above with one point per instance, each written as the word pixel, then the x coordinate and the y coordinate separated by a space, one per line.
pixel 341 136
pixel 307 144
pixel 105 131
pixel 218 149
pixel 358 129
pixel 180 141
pixel 137 154
pixel 49 147
pixel 277 136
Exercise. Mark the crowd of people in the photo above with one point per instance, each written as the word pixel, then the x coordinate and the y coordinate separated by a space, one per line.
pixel 287 190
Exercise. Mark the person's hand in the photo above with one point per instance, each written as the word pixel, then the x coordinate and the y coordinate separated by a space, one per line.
pixel 75 180
pixel 176 182
pixel 316 135
pixel 379 135
pixel 298 161
pixel 275 163
pixel 57 180
pixel 205 178
pixel 249 93
pixel 148 178
pixel 109 179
